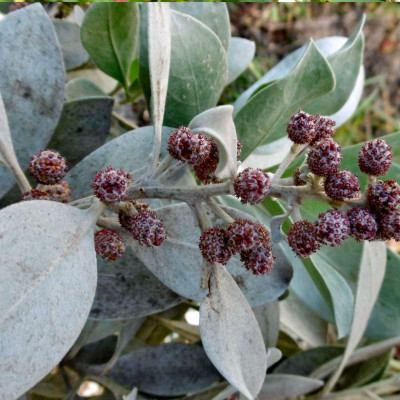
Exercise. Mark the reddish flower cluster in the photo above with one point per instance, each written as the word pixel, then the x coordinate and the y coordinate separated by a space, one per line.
pixel 249 239
pixel 109 244
pixel 48 167
pixel 252 186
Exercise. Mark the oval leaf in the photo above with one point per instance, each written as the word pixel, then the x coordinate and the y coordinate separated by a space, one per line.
pixel 231 336
pixel 370 278
pixel 47 284
pixel 281 386
pixel 78 88
pixel 110 34
pixel 127 289
pixel 173 369
pixel 241 53
pixel 31 82
pixel 218 124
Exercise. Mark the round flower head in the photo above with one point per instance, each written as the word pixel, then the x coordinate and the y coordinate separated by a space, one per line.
pixel 59 192
pixel 323 128
pixel 109 244
pixel 48 167
pixel 243 235
pixel 205 170
pixel 332 227
pixel 147 228
pixel 375 158
pixel 301 128
pixel 258 260
pixel 363 224
pixel 252 186
pixel 302 238
pixel 389 225
pixel 342 185
pixel 325 158
pixel 35 194
pixel 384 196
pixel 187 147
pixel 213 246
pixel 111 185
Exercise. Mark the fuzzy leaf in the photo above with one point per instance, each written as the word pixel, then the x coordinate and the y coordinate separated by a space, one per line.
pixel 281 386
pixel 31 82
pixel 110 34
pixel 69 36
pixel 171 370
pixel 241 53
pixel 218 124
pixel 83 127
pixel 47 285
pixel 231 336
pixel 198 67
pixel 181 253
pixel 267 317
pixel 127 289
pixel 271 107
pixel 159 63
pixel 214 15
pixel 370 278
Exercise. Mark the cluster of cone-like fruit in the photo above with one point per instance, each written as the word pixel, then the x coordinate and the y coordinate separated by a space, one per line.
pixel 377 218
pixel 111 187
pixel 48 168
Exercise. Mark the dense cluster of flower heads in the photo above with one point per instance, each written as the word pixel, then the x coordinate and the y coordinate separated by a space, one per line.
pixel 373 215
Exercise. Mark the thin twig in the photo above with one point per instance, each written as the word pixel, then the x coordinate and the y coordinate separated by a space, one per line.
pixel 124 122
pixel 220 212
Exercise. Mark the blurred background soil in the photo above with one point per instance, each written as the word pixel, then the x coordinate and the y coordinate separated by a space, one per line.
pixel 280 28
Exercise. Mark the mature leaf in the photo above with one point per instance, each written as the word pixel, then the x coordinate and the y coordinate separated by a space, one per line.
pixel 173 369
pixel 95 75
pixel 47 285
pixel 159 64
pixel 198 67
pixel 130 152
pixel 218 124
pixel 230 334
pixel 370 278
pixel 31 82
pixel 268 320
pixel 264 114
pixel 299 319
pixel 241 53
pixel 69 36
pixel 83 127
pixel 82 88
pixel 282 386
pixel 213 15
pixel 127 289
pixel 305 362
pixel 110 34
pixel 273 356
pixel 181 253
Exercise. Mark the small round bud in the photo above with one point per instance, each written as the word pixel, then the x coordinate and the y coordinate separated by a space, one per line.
pixel 147 228
pixel 375 158
pixel 259 260
pixel 205 170
pixel 111 185
pixel 302 238
pixel 252 186
pixel 323 128
pixel 301 128
pixel 342 185
pixel 389 225
pixel 213 246
pixel 325 158
pixel 332 227
pixel 59 192
pixel 109 244
pixel 244 235
pixel 363 224
pixel 187 147
pixel 35 194
pixel 48 167
pixel 297 179
pixel 384 196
